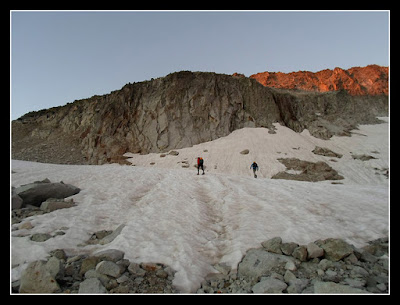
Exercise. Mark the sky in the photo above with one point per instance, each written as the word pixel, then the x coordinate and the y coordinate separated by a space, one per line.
pixel 61 56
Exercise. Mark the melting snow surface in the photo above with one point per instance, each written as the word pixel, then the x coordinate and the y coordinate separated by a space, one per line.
pixel 191 222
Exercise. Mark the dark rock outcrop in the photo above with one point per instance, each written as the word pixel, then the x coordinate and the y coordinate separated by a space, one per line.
pixel 180 110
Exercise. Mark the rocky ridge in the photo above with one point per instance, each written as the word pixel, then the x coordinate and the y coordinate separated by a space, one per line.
pixel 180 110
pixel 369 80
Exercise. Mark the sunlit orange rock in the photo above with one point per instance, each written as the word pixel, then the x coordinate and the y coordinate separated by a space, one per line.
pixel 369 80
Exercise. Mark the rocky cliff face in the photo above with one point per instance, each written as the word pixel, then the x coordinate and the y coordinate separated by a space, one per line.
pixel 180 110
pixel 369 80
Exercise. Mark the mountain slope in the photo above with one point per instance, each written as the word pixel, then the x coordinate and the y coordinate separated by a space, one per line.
pixel 180 110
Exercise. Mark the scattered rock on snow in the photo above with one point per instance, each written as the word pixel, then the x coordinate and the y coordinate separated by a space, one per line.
pixel 40 237
pixel 363 157
pixel 326 152
pixel 173 153
pixel 309 171
pixel 109 238
pixel 103 237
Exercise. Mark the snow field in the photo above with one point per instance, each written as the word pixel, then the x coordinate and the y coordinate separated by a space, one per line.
pixel 223 155
pixel 191 222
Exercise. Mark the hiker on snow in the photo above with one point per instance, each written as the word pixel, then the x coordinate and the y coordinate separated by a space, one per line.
pixel 200 162
pixel 255 167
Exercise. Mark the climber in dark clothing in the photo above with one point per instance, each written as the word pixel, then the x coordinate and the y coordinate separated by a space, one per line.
pixel 255 167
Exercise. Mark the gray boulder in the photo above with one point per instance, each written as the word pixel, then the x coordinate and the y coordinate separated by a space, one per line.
pixel 113 255
pixel 37 192
pixel 92 285
pixel 269 285
pixel 336 249
pixel 36 278
pixel 17 201
pixel 331 287
pixel 53 204
pixel 273 245
pixel 259 262
pixel 314 251
pixel 108 268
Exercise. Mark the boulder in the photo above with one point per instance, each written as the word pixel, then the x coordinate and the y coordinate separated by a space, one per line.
pixel 53 204
pixel 269 285
pixel 36 278
pixel 113 255
pixel 92 285
pixel 273 245
pixel 314 251
pixel 331 287
pixel 288 248
pixel 55 267
pixel 108 268
pixel 336 249
pixel 258 262
pixel 136 270
pixel 17 201
pixel 37 192
pixel 300 253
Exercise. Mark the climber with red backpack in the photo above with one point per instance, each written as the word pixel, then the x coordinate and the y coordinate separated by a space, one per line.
pixel 200 163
